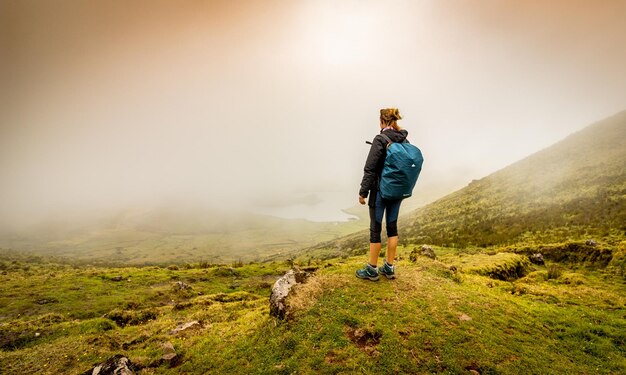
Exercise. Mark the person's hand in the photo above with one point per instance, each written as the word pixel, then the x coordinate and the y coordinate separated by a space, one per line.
pixel 361 200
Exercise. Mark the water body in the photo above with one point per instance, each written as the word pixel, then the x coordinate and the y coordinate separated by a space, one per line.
pixel 317 207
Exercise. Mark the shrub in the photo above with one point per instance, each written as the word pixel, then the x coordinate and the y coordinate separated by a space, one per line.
pixel 129 317
pixel 617 264
pixel 554 271
pixel 573 278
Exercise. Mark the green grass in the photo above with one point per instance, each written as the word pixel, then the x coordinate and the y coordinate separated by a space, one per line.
pixel 430 320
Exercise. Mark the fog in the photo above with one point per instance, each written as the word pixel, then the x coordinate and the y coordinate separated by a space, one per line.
pixel 115 104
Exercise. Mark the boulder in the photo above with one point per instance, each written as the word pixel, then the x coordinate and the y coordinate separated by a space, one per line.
pixel 428 251
pixel 536 259
pixel 425 250
pixel 281 289
pixel 116 365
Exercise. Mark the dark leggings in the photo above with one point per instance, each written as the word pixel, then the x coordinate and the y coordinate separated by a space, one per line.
pixel 391 209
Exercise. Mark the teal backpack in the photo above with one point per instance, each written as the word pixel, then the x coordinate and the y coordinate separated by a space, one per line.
pixel 403 165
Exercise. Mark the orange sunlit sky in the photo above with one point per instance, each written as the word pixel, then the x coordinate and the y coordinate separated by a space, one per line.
pixel 112 103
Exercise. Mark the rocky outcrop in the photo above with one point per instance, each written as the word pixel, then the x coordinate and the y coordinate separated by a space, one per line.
pixel 281 289
pixel 425 250
pixel 116 365
pixel 537 259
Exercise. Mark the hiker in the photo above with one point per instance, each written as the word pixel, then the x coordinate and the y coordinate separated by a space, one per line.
pixel 377 205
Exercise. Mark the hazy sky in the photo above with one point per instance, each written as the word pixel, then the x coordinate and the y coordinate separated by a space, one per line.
pixel 109 103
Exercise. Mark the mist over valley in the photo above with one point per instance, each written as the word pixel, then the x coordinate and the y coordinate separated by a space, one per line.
pixel 179 187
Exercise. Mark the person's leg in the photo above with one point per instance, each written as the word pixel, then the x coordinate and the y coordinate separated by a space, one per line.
pixel 375 239
pixel 376 227
pixel 392 244
pixel 391 218
pixel 370 271
pixel 374 251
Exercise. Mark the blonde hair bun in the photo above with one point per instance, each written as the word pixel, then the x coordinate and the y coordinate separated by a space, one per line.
pixel 389 116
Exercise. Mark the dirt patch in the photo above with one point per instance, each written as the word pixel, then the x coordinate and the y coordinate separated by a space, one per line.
pixel 129 317
pixel 365 339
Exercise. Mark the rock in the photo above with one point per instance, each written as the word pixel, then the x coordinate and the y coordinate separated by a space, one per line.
pixel 464 318
pixel 179 285
pixel 537 259
pixel 425 250
pixel 280 291
pixel 185 326
pixel 169 354
pixel 117 278
pixel 45 301
pixel 116 365
pixel 591 243
pixel 428 251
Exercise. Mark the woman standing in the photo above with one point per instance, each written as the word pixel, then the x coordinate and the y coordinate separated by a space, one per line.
pixel 379 206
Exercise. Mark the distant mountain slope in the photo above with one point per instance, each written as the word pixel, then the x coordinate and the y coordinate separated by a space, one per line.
pixel 175 234
pixel 573 189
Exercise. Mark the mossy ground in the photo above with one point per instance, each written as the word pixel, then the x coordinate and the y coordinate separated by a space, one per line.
pixel 59 319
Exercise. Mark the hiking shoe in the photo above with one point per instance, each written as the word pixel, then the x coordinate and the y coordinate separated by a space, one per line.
pixel 387 270
pixel 367 272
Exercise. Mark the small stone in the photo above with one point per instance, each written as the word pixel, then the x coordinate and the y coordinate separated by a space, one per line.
pixel 537 259
pixel 179 285
pixel 168 347
pixel 37 334
pixel 169 354
pixel 185 326
pixel 464 318
pixel 168 357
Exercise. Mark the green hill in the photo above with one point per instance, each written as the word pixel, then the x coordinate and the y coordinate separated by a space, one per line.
pixel 440 316
pixel 573 190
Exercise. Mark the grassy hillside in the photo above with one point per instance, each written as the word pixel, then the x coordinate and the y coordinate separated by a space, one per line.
pixel 439 316
pixel 573 190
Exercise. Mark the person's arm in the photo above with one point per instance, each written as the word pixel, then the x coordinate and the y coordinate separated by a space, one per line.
pixel 370 179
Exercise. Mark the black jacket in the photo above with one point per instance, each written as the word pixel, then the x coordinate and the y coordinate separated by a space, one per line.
pixel 375 162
